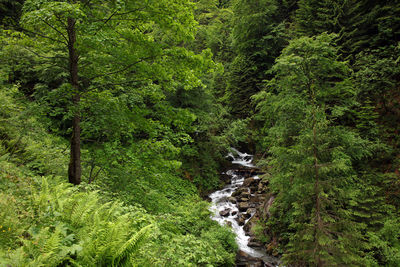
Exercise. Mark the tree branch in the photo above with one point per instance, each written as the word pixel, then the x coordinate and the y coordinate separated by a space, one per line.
pixel 49 62
pixel 43 36
pixel 121 70
pixel 57 30
pixel 60 20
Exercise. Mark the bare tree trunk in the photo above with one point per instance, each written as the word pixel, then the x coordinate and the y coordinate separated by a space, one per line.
pixel 74 168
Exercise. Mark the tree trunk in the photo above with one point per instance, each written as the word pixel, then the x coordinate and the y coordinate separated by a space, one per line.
pixel 74 168
pixel 318 224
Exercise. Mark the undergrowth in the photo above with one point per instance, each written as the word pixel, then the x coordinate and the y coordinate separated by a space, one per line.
pixel 44 221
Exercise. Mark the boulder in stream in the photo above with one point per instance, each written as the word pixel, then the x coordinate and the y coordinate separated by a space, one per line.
pixel 253 189
pixel 245 194
pixel 251 211
pixel 225 213
pixel 254 244
pixel 243 206
pixel 247 215
pixel 245 260
pixel 241 220
pixel 232 200
pixel 249 182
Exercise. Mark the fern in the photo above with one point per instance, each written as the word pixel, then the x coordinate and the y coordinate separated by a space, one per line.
pixel 122 257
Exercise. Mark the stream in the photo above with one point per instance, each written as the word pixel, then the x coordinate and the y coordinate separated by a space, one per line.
pixel 226 213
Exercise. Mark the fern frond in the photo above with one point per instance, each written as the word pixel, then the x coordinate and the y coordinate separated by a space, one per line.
pixel 122 257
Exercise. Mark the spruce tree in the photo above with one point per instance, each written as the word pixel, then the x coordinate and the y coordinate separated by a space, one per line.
pixel 368 24
pixel 311 154
pixel 315 16
pixel 257 39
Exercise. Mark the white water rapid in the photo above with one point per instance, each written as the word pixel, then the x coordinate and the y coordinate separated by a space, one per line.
pixel 221 203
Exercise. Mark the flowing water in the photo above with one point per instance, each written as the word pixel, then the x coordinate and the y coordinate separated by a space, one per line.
pixel 220 203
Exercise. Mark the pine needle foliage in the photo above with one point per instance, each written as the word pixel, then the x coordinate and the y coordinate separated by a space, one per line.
pixel 311 155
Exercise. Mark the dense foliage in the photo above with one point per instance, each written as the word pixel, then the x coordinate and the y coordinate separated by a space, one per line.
pixel 328 120
pixel 136 102
pixel 124 73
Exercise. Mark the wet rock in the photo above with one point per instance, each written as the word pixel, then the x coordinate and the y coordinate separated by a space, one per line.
pixel 232 200
pixel 248 157
pixel 233 213
pixel 254 244
pixel 254 239
pixel 225 212
pixel 236 193
pixel 251 211
pixel 243 206
pixel 256 199
pixel 243 199
pixel 245 195
pixel 253 189
pixel 249 182
pixel 245 260
pixel 262 190
pixel 229 223
pixel 241 220
pixel 247 215
pixel 240 191
pixel 243 254
pixel 253 205
pixel 260 187
pixel 230 158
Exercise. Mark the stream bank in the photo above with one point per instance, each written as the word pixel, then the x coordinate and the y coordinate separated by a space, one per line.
pixel 240 205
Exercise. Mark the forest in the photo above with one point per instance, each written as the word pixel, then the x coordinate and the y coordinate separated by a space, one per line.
pixel 116 118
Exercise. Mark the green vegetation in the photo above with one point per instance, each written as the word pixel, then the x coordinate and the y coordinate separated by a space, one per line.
pixel 115 118
pixel 46 221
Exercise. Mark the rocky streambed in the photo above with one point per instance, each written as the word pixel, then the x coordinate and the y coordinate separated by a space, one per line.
pixel 241 205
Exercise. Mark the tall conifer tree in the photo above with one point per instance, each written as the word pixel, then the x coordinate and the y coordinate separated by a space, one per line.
pixel 311 154
pixel 257 39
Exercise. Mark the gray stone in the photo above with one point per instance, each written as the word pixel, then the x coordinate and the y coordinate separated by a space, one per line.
pixel 253 189
pixel 243 206
pixel 236 193
pixel 255 244
pixel 245 194
pixel 225 213
pixel 245 260
pixel 241 220
pixel 232 200
pixel 249 182
pixel 251 210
